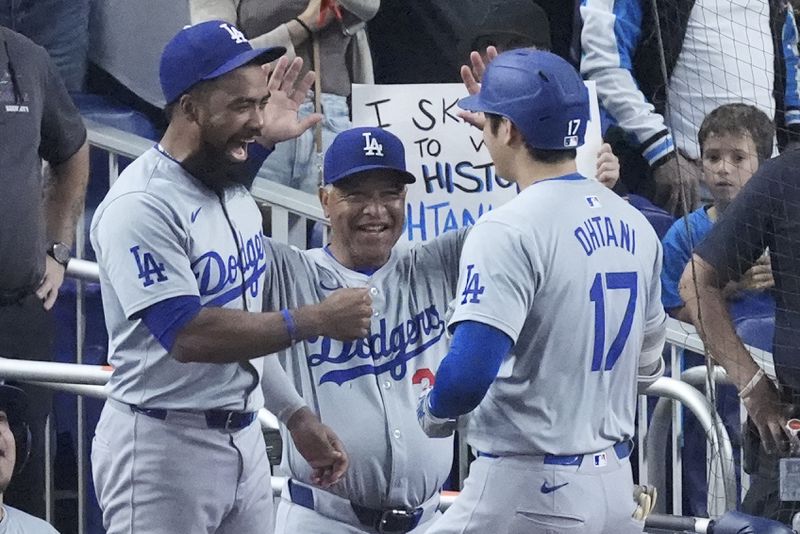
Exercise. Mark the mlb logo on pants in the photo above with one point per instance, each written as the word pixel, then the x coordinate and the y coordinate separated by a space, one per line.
pixel 600 460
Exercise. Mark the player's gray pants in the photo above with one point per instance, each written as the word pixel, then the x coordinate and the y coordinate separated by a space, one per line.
pixel 296 519
pixel 517 495
pixel 154 476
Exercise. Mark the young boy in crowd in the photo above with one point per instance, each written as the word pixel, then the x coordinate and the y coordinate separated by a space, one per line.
pixel 734 140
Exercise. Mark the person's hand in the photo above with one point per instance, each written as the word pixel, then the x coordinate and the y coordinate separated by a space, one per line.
pixel 677 183
pixel 315 17
pixel 607 166
pixel 770 415
pixel 759 276
pixel 286 93
pixel 472 76
pixel 51 282
pixel 756 278
pixel 434 427
pixel 346 314
pixel 320 447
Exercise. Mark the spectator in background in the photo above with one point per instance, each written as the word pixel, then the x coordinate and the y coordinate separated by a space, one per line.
pixel 61 27
pixel 714 53
pixel 763 216
pixel 508 25
pixel 344 59
pixel 734 140
pixel 37 221
pixel 13 455
pixel 426 30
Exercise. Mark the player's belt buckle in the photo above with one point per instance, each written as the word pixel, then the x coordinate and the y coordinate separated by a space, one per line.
pixel 228 421
pixel 398 521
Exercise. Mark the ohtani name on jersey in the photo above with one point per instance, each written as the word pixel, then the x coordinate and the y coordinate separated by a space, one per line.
pixel 396 345
pixel 215 273
pixel 599 232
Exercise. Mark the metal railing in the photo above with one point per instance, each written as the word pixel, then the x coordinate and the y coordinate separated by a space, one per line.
pixel 88 380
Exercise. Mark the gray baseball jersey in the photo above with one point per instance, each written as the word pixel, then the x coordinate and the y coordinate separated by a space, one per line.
pixel 367 391
pixel 570 272
pixel 160 233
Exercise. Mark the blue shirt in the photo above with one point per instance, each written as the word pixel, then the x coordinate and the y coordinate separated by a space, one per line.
pixel 678 245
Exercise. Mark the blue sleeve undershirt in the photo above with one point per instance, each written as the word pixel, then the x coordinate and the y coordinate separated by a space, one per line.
pixel 166 318
pixel 469 368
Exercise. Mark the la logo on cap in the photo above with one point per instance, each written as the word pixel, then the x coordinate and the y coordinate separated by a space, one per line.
pixel 371 145
pixel 236 36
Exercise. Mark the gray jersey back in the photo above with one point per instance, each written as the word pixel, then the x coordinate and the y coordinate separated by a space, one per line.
pixel 570 272
pixel 160 233
pixel 367 391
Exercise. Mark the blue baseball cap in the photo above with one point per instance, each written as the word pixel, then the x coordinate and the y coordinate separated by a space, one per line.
pixel 542 94
pixel 364 149
pixel 206 51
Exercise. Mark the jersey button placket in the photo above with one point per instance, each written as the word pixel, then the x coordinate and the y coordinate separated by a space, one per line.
pixel 376 303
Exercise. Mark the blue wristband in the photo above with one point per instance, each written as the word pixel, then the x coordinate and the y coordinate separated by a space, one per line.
pixel 290 326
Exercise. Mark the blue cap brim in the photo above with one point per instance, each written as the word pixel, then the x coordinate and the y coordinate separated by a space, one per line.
pixel 472 103
pixel 262 55
pixel 405 176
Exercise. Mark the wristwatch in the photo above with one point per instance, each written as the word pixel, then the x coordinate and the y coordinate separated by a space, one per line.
pixel 59 252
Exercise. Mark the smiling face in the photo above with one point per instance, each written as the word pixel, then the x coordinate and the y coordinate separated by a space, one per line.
pixel 8 452
pixel 366 211
pixel 230 113
pixel 729 161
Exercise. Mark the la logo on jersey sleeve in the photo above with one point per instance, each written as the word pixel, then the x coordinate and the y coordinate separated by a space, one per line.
pixel 148 267
pixel 473 288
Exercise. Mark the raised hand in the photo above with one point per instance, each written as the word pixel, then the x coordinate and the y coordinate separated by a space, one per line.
pixel 286 93
pixel 472 76
pixel 607 166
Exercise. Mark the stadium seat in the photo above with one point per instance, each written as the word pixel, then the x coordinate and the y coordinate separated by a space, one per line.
pixel 108 111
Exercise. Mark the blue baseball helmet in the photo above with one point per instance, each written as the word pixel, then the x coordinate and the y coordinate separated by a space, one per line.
pixel 363 149
pixel 542 94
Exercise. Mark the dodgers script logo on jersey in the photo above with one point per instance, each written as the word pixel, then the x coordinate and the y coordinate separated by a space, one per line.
pixel 214 273
pixel 388 350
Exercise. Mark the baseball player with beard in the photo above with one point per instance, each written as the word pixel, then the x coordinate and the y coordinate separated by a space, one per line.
pixel 178 448
pixel 558 313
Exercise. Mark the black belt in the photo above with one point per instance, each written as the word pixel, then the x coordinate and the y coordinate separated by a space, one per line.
pixel 218 419
pixel 387 521
pixel 399 520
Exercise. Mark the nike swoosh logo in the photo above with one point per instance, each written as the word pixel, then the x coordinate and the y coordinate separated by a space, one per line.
pixel 329 288
pixel 551 489
pixel 194 214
